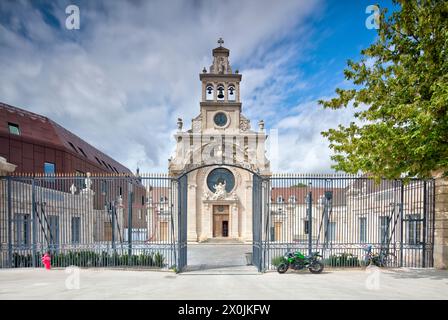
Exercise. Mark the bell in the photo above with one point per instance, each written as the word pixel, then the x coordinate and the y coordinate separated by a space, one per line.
pixel 209 90
pixel 231 91
pixel 221 94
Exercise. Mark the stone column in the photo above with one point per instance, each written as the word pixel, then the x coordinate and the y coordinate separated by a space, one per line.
pixel 247 225
pixel 441 222
pixel 234 220
pixel 192 212
pixel 206 225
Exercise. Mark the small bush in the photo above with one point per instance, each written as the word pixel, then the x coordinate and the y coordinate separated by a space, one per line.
pixel 87 258
pixel 343 260
pixel 277 260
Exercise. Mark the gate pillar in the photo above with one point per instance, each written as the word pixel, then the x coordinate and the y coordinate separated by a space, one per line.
pixel 441 222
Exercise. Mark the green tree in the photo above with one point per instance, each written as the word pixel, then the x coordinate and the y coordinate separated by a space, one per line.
pixel 400 94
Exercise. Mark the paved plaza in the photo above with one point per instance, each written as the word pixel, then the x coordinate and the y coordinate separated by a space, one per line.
pixel 219 272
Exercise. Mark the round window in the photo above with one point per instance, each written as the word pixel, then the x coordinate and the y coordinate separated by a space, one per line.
pixel 220 119
pixel 220 176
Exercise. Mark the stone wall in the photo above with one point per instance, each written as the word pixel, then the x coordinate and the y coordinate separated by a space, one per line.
pixel 441 222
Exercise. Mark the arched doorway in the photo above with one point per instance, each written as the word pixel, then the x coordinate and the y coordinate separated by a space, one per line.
pixel 212 195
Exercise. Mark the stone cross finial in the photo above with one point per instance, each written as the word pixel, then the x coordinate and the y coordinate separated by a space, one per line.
pixel 220 42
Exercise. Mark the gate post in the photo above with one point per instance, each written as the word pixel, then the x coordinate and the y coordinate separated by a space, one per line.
pixel 130 194
pixel 34 225
pixel 9 223
pixel 441 221
pixel 310 223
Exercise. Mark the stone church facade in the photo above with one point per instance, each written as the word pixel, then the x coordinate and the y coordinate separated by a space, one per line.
pixel 220 196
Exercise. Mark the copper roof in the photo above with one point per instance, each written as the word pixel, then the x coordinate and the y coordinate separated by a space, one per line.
pixel 40 128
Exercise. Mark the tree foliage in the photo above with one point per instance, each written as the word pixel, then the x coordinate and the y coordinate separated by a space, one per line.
pixel 401 95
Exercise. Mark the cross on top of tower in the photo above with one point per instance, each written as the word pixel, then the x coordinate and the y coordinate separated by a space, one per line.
pixel 220 42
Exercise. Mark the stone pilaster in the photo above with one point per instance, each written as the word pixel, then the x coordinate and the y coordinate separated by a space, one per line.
pixel 441 222
pixel 192 212
pixel 234 221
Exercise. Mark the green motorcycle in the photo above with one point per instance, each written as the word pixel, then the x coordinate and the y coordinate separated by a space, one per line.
pixel 297 261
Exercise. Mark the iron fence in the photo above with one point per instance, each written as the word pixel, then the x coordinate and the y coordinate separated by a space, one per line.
pixel 339 215
pixel 98 220
pixel 141 221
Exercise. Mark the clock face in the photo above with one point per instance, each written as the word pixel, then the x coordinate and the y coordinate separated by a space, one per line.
pixel 220 119
pixel 220 175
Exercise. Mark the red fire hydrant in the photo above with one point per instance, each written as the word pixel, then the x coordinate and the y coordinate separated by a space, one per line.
pixel 46 260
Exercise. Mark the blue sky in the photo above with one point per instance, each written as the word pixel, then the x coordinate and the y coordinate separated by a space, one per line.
pixel 123 79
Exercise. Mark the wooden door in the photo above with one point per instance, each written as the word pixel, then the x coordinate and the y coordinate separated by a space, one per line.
pixel 278 231
pixel 220 221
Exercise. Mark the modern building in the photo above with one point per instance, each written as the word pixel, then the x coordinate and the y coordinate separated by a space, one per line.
pixel 37 144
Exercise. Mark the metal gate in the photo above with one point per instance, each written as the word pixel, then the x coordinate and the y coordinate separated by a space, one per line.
pixel 339 215
pixel 257 222
pixel 182 222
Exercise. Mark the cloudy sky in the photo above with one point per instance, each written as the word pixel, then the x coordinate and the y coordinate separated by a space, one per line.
pixel 121 81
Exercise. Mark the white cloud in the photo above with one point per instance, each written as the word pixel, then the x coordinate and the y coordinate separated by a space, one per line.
pixel 301 145
pixel 124 78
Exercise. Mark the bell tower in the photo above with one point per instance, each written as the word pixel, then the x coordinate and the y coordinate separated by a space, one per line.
pixel 220 104
pixel 219 154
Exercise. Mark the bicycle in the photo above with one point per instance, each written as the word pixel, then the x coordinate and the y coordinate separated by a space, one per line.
pixel 383 259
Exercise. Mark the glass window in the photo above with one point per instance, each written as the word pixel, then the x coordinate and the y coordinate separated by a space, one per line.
pixel 331 231
pixel 384 229
pixel 13 128
pixel 414 225
pixel 362 230
pixel 53 236
pixel 280 199
pixel 23 229
pixel 76 229
pixel 49 168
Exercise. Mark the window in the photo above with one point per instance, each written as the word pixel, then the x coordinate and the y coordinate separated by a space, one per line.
pixel 82 151
pixel 163 199
pixel 161 210
pixel 49 168
pixel 53 234
pixel 73 147
pixel 23 230
pixel 140 214
pixel 362 230
pixel 98 160
pixel 292 199
pixel 76 229
pixel 14 128
pixel 331 232
pixel 414 226
pixel 306 226
pixel 384 229
pixel 143 200
pixel 280 199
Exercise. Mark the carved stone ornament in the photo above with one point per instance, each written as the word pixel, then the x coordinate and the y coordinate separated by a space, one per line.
pixel 244 124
